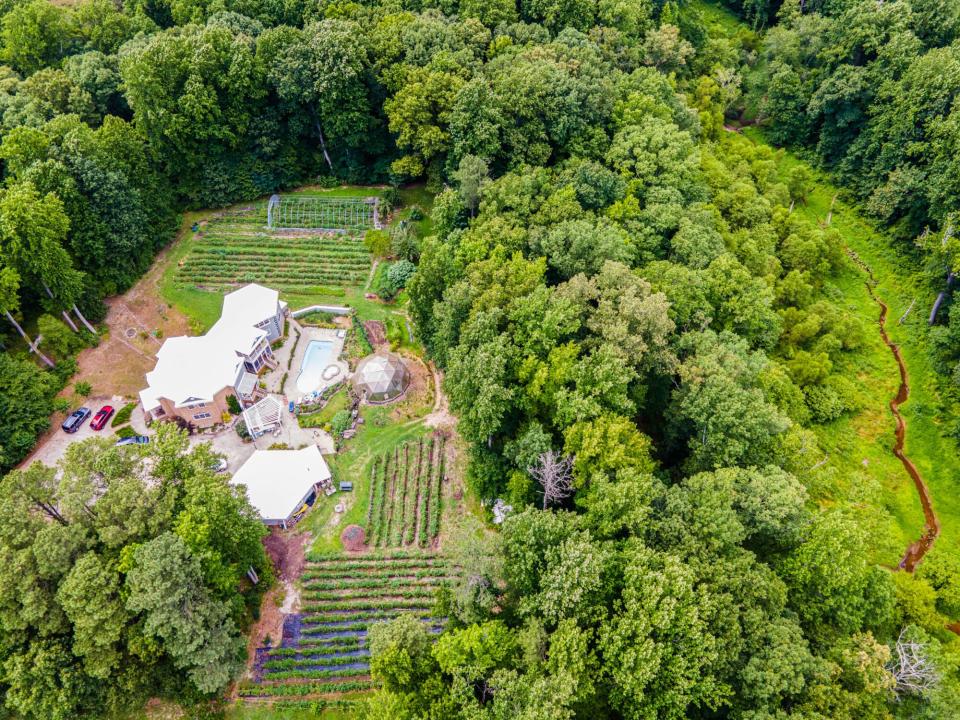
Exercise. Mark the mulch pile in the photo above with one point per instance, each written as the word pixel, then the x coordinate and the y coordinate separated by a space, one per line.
pixel 353 538
pixel 376 332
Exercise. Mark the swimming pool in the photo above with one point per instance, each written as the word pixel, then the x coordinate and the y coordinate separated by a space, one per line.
pixel 318 356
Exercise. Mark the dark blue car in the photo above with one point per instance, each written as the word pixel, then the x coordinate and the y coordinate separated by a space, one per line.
pixel 77 418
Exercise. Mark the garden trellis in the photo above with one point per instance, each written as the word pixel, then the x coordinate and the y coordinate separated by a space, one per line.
pixel 311 212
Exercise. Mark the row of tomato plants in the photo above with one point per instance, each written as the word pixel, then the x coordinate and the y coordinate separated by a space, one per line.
pixel 436 487
pixel 251 250
pixel 346 643
pixel 362 604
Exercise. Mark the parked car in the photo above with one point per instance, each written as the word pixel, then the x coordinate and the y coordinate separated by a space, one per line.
pixel 220 465
pixel 100 419
pixel 133 440
pixel 77 418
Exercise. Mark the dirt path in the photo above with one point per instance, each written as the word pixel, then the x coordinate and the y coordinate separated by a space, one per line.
pixel 931 529
pixel 440 416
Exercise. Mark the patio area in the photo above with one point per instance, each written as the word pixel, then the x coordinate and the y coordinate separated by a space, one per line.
pixel 323 366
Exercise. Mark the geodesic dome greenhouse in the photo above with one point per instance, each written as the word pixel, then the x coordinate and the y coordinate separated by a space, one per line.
pixel 381 378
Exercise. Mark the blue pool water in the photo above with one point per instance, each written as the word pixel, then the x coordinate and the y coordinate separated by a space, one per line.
pixel 318 356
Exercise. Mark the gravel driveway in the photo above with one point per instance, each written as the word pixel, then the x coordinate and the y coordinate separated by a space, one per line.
pixel 54 446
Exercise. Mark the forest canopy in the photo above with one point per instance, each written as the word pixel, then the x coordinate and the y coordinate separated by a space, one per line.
pixel 638 333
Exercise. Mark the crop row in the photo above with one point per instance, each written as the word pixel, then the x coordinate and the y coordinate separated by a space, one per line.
pixel 336 620
pixel 261 251
pixel 315 661
pixel 249 689
pixel 362 582
pixel 272 241
pixel 315 275
pixel 360 575
pixel 436 495
pixel 317 647
pixel 316 674
pixel 405 591
pixel 298 263
pixel 363 604
pixel 337 557
pixel 230 275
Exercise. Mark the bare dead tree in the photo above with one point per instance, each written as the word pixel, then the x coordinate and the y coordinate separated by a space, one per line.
pixel 904 316
pixel 555 474
pixel 912 668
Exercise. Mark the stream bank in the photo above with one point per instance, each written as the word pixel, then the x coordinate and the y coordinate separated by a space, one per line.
pixel 919 548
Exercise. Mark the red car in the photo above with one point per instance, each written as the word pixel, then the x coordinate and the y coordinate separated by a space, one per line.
pixel 100 419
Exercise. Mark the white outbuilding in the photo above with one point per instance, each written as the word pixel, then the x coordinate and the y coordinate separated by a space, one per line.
pixel 282 484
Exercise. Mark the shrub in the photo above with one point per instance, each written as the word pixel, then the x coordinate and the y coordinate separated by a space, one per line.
pixel 340 423
pixel 234 405
pixel 378 243
pixel 126 431
pixel 242 431
pixel 123 415
pixel 61 404
pixel 400 273
pixel 416 213
pixel 83 388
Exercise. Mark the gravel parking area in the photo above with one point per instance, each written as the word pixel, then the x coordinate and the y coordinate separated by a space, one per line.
pixel 54 445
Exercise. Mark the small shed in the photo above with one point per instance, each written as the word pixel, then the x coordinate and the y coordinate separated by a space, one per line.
pixel 346 486
pixel 282 484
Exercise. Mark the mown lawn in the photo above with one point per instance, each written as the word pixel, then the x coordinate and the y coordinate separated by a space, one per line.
pixel 861 471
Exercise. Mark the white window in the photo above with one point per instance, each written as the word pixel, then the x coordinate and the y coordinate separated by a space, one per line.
pixel 201 416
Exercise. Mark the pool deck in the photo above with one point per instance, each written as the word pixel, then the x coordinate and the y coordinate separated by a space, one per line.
pixel 307 335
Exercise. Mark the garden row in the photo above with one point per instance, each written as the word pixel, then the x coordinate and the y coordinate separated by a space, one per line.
pixel 405 494
pixel 324 650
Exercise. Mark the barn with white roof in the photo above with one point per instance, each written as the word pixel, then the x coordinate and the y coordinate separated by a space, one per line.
pixel 281 484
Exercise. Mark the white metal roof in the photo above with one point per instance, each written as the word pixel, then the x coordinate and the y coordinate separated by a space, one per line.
pixel 278 481
pixel 247 384
pixel 194 369
pixel 251 301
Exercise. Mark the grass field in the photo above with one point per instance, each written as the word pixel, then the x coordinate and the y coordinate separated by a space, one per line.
pixel 862 472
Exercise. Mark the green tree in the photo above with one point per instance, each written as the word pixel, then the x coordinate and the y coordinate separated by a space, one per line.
pixel 165 584
pixel 34 35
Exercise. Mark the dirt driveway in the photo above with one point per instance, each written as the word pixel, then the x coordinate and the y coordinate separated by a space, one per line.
pixel 54 445
pixel 137 321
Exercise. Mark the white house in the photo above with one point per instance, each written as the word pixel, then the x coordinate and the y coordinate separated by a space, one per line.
pixel 194 376
pixel 281 483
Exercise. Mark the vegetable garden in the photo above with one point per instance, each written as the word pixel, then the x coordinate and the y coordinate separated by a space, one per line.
pixel 235 248
pixel 405 494
pixel 323 653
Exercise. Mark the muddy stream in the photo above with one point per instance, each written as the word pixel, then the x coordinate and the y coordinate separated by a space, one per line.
pixel 931 528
